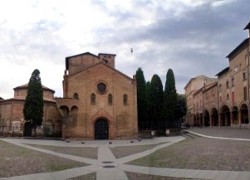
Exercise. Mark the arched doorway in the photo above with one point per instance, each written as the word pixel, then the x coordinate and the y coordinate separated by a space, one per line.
pixel 101 129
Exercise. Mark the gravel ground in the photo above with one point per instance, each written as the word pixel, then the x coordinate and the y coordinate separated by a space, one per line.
pixel 86 152
pixel 223 132
pixel 123 151
pixel 201 153
pixel 193 153
pixel 137 176
pixel 15 161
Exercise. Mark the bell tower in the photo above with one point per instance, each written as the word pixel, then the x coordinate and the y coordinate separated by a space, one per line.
pixel 109 59
pixel 248 28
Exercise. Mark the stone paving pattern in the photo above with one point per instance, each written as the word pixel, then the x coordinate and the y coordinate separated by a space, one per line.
pixel 107 166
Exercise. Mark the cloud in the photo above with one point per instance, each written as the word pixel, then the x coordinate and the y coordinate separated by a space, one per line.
pixel 190 37
pixel 192 40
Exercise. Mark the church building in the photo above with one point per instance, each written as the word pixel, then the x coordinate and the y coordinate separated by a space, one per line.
pixel 99 102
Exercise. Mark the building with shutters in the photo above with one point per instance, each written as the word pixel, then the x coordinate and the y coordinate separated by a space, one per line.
pixel 225 100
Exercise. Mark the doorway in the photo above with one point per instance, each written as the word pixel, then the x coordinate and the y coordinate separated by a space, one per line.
pixel 101 129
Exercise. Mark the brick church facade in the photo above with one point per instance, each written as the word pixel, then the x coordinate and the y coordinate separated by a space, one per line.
pixel 99 102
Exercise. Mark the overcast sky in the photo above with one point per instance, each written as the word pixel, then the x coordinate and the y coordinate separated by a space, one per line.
pixel 192 37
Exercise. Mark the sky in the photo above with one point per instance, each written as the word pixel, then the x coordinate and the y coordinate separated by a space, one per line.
pixel 192 37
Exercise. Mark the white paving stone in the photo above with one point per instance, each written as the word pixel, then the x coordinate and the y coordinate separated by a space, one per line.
pixel 106 157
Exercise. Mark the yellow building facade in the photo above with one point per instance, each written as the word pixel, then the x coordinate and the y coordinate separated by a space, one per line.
pixel 223 101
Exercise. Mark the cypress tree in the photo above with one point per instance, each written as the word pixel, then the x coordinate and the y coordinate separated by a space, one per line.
pixel 33 106
pixel 141 98
pixel 155 98
pixel 170 101
pixel 181 107
pixel 148 115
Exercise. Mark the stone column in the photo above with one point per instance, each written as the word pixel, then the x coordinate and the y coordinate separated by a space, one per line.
pixel 239 119
pixel 219 119
pixel 210 120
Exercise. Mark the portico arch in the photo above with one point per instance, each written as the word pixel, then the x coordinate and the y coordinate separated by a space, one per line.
pixel 200 120
pixel 195 120
pixel 74 115
pixel 235 115
pixel 214 117
pixel 64 110
pixel 206 118
pixel 244 114
pixel 225 116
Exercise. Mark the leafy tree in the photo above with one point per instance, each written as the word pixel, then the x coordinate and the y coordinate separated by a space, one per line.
pixel 33 106
pixel 155 97
pixel 141 98
pixel 170 101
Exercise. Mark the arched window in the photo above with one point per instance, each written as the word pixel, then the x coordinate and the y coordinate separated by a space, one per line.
pixel 125 99
pixel 75 96
pixel 64 111
pixel 92 98
pixel 74 115
pixel 110 99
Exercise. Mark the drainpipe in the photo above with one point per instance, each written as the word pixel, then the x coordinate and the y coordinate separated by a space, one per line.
pixel 218 101
pixel 203 105
pixel 248 54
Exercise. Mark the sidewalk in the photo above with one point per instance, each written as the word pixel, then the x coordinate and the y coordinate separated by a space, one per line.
pixel 188 173
pixel 222 133
pixel 110 168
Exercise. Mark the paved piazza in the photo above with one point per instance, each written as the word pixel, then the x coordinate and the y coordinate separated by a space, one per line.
pixel 107 166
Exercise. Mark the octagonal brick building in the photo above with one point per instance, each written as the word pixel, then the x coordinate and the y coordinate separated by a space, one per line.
pixel 12 122
pixel 99 102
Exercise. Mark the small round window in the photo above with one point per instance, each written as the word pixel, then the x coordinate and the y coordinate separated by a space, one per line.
pixel 101 87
